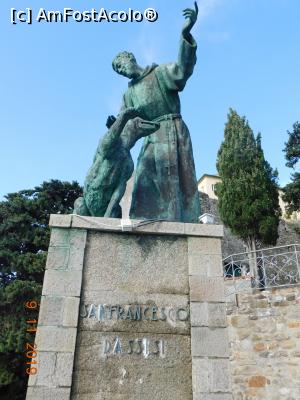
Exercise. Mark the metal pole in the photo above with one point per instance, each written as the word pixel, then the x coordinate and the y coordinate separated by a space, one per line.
pixel 264 276
pixel 297 261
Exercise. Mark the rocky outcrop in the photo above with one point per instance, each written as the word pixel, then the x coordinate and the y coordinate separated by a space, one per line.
pixel 289 231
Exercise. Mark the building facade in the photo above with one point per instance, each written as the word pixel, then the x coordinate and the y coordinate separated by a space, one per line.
pixel 207 183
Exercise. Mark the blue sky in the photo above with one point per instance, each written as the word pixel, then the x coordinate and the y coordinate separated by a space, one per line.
pixel 57 85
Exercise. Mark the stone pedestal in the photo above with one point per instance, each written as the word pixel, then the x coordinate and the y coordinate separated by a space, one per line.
pixel 132 315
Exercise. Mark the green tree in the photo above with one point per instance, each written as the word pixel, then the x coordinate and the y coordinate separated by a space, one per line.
pixel 248 193
pixel 292 155
pixel 24 240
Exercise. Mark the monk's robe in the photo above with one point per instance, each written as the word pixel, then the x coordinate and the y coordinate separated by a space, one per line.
pixel 165 184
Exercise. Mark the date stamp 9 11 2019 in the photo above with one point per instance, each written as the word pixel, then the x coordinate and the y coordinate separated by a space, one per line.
pixel 31 351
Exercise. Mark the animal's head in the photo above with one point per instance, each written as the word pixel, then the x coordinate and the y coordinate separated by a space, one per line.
pixel 143 127
pixel 137 128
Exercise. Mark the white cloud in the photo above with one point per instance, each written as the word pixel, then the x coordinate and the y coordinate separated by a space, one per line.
pixel 206 9
pixel 148 46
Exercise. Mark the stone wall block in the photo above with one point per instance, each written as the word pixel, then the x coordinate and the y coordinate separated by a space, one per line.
pixel 208 314
pixel 240 321
pixel 209 289
pixel 96 223
pixel 51 310
pixel 211 230
pixel 78 238
pixel 164 228
pixel 75 262
pixel 58 257
pixel 212 396
pixel 66 249
pixel 208 342
pixel 204 245
pixel 42 393
pixel 49 338
pixel 121 263
pixel 167 377
pixel 62 283
pixel 32 378
pixel 60 220
pixel 210 376
pixel 46 368
pixel 54 370
pixel 59 237
pixel 205 264
pixel 64 369
pixel 70 312
pixel 199 314
pixel 59 311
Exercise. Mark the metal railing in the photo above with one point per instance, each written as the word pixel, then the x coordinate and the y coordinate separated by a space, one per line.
pixel 263 268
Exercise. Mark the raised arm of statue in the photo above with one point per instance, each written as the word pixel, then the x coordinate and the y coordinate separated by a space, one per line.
pixel 175 75
pixel 191 17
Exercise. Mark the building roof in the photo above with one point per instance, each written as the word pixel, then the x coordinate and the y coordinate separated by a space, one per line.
pixel 208 175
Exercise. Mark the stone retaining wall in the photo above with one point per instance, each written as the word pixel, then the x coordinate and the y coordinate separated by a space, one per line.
pixel 264 336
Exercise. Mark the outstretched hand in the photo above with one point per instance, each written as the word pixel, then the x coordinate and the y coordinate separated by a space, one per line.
pixel 191 17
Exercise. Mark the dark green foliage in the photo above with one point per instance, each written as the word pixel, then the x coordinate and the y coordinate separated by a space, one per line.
pixel 24 239
pixel 292 155
pixel 292 194
pixel 248 194
pixel 292 146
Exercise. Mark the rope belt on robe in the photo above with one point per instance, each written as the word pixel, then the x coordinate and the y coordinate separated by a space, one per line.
pixel 166 117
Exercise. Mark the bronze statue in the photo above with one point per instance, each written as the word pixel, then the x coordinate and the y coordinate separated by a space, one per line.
pixel 165 181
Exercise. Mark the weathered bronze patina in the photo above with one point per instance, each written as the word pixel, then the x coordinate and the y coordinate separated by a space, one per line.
pixel 165 181
pixel 105 183
pixel 165 184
